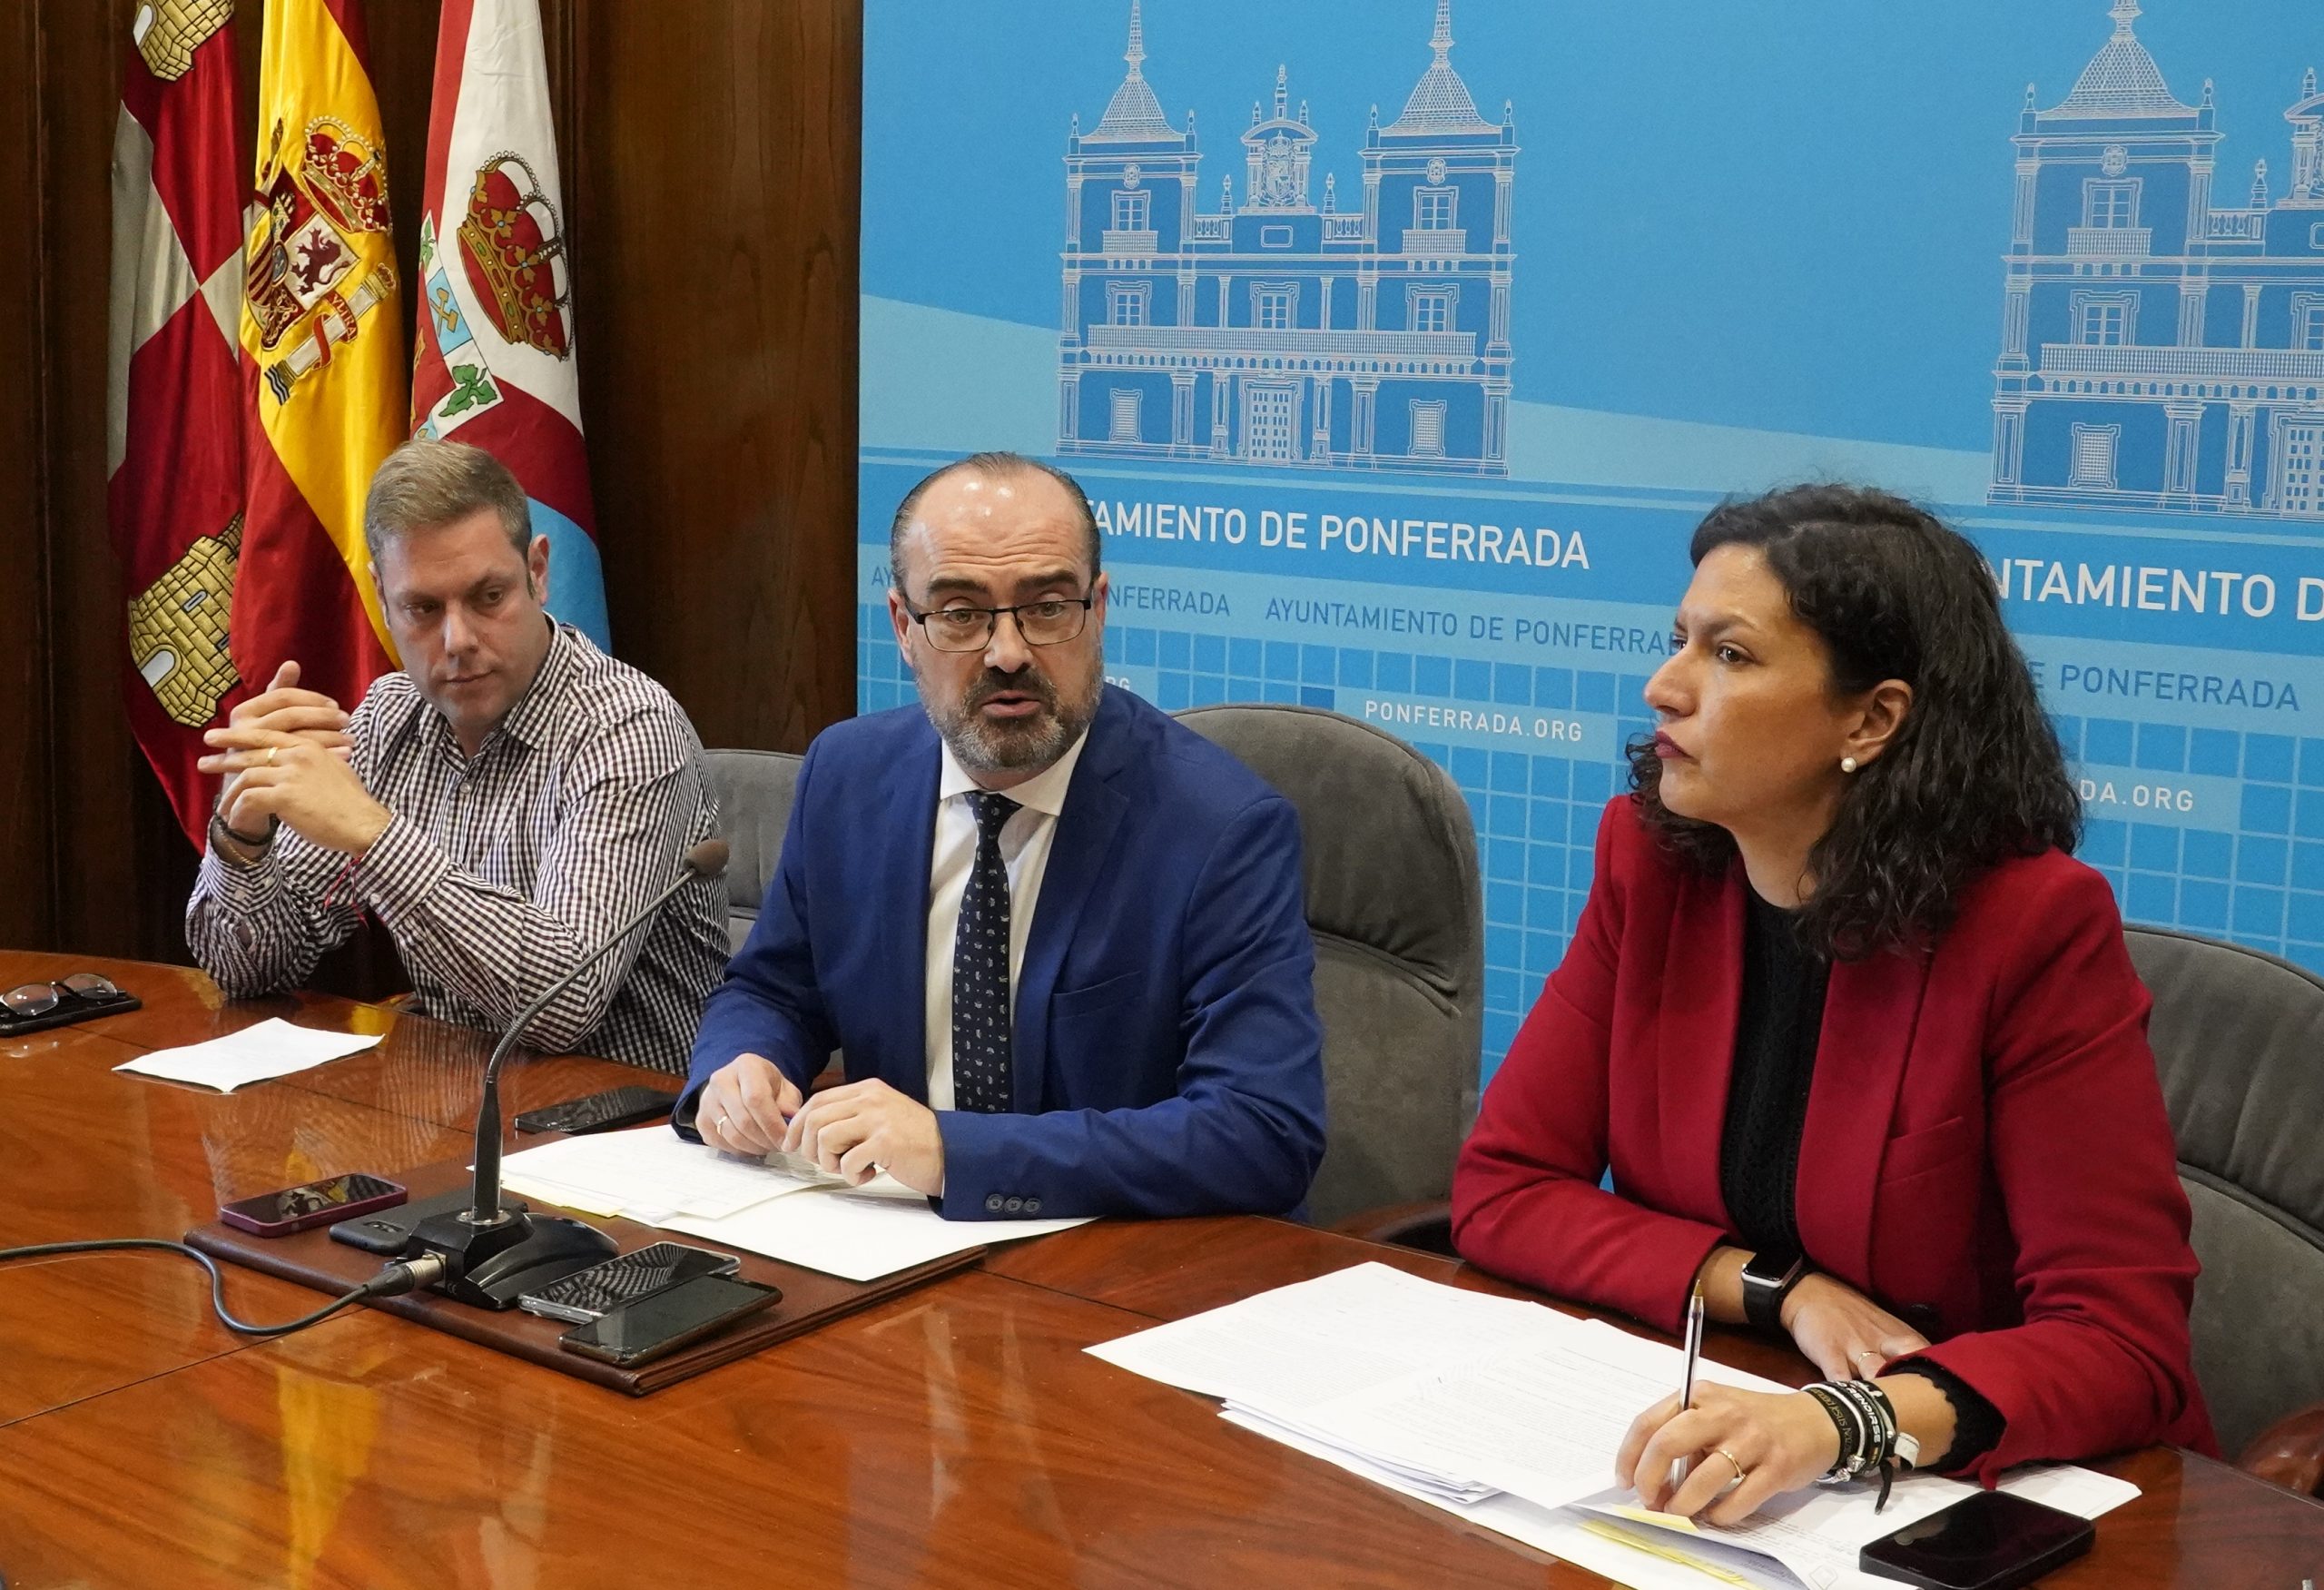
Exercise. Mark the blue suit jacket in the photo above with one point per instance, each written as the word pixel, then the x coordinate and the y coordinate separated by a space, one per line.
pixel 1167 1054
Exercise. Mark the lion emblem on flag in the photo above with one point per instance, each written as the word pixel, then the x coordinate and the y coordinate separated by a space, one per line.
pixel 321 199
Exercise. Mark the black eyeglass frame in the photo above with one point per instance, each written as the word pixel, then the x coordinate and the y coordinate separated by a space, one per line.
pixel 72 1000
pixel 992 621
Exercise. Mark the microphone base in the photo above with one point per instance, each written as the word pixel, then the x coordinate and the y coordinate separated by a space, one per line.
pixel 490 1267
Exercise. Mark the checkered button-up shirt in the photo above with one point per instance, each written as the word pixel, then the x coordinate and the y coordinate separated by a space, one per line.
pixel 500 871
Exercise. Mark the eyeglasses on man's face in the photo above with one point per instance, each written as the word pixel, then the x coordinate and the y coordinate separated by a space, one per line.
pixel 37 998
pixel 1050 622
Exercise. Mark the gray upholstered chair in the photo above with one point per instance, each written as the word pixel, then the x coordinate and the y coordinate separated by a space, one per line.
pixel 2239 1041
pixel 1397 910
pixel 754 790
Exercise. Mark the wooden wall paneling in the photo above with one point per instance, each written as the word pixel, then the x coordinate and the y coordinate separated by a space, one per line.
pixel 96 764
pixel 712 170
pixel 26 892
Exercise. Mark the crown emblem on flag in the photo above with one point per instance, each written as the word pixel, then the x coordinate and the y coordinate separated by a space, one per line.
pixel 513 246
pixel 345 177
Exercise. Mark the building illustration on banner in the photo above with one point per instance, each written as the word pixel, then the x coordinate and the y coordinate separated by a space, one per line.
pixel 2160 351
pixel 1298 326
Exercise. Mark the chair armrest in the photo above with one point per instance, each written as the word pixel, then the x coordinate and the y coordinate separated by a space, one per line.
pixel 1426 1225
pixel 2291 1452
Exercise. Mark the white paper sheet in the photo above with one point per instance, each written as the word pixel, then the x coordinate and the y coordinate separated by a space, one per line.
pixel 1298 1346
pixel 272 1047
pixel 1626 1553
pixel 852 1236
pixel 1520 1400
pixel 651 1173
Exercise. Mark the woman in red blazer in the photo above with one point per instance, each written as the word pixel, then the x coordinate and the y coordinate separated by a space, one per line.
pixel 1857 1037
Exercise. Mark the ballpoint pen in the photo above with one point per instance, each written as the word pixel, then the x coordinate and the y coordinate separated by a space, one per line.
pixel 1687 1383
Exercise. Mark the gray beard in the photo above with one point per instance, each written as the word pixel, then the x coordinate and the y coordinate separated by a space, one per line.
pixel 982 745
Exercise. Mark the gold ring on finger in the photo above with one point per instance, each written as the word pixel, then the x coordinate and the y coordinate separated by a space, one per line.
pixel 270 750
pixel 1723 1452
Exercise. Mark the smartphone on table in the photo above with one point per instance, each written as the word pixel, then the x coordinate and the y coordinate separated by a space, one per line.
pixel 584 1295
pixel 311 1204
pixel 1991 1541
pixel 599 1112
pixel 640 1331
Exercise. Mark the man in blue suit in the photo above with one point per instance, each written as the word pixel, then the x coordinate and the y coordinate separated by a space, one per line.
pixel 1058 937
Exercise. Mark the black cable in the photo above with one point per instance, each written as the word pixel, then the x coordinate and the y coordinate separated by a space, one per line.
pixel 395 1278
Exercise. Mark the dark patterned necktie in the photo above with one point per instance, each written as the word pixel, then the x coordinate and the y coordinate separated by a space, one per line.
pixel 982 1078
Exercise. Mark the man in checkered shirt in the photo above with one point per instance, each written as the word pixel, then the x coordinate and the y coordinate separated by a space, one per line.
pixel 501 804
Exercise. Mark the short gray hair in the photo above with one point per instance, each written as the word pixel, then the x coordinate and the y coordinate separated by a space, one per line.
pixel 425 483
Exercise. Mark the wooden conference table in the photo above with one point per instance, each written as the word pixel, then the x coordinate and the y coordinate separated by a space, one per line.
pixel 955 1435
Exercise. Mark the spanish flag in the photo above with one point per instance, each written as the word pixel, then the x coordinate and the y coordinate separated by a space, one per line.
pixel 323 371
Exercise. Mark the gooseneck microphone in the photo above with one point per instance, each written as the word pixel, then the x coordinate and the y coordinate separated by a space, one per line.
pixel 494 1252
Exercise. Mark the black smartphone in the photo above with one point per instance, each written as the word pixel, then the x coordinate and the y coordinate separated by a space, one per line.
pixel 390 1232
pixel 585 1295
pixel 640 1331
pixel 1991 1541
pixel 316 1203
pixel 599 1112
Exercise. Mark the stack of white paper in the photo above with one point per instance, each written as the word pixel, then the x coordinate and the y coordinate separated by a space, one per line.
pixel 652 1172
pixel 272 1047
pixel 1510 1414
pixel 786 1208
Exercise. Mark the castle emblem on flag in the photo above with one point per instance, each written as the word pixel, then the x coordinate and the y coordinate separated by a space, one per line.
pixel 177 628
pixel 168 32
pixel 512 245
pixel 318 208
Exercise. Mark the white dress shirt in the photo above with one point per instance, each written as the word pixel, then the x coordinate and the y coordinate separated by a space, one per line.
pixel 1025 841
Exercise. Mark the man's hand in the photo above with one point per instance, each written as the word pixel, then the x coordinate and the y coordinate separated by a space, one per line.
pixel 276 773
pixel 746 1107
pixel 864 1128
pixel 1843 1332
pixel 281 708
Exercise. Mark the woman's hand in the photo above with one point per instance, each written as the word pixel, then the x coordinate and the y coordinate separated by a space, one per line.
pixel 1844 1333
pixel 1773 1442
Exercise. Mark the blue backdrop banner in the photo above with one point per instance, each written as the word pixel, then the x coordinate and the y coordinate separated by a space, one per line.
pixel 1400 346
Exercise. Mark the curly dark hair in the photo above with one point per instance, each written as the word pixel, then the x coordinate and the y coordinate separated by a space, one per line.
pixel 1973 774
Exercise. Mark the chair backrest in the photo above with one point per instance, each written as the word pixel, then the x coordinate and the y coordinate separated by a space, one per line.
pixel 2239 1041
pixel 754 790
pixel 1396 907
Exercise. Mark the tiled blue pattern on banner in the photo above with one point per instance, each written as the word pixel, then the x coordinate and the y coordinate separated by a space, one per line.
pixel 2260 884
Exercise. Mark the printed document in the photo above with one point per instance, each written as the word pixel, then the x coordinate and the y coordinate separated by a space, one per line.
pixel 1511 1413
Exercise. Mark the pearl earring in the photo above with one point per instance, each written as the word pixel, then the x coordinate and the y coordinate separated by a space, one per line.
pixel 1848 764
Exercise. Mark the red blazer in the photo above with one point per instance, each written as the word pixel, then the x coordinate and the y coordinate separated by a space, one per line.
pixel 1986 1136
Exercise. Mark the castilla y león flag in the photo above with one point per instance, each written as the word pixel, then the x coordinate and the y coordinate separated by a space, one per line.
pixel 493 364
pixel 322 356
pixel 174 430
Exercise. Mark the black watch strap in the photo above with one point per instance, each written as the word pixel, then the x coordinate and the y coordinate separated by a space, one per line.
pixel 1767 1281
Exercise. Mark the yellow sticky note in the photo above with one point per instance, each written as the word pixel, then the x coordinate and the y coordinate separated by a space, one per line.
pixel 1667 1554
pixel 1678 1521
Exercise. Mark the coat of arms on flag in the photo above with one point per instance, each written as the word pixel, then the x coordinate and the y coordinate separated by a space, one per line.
pixel 495 356
pixel 318 198
pixel 174 446
pixel 322 355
